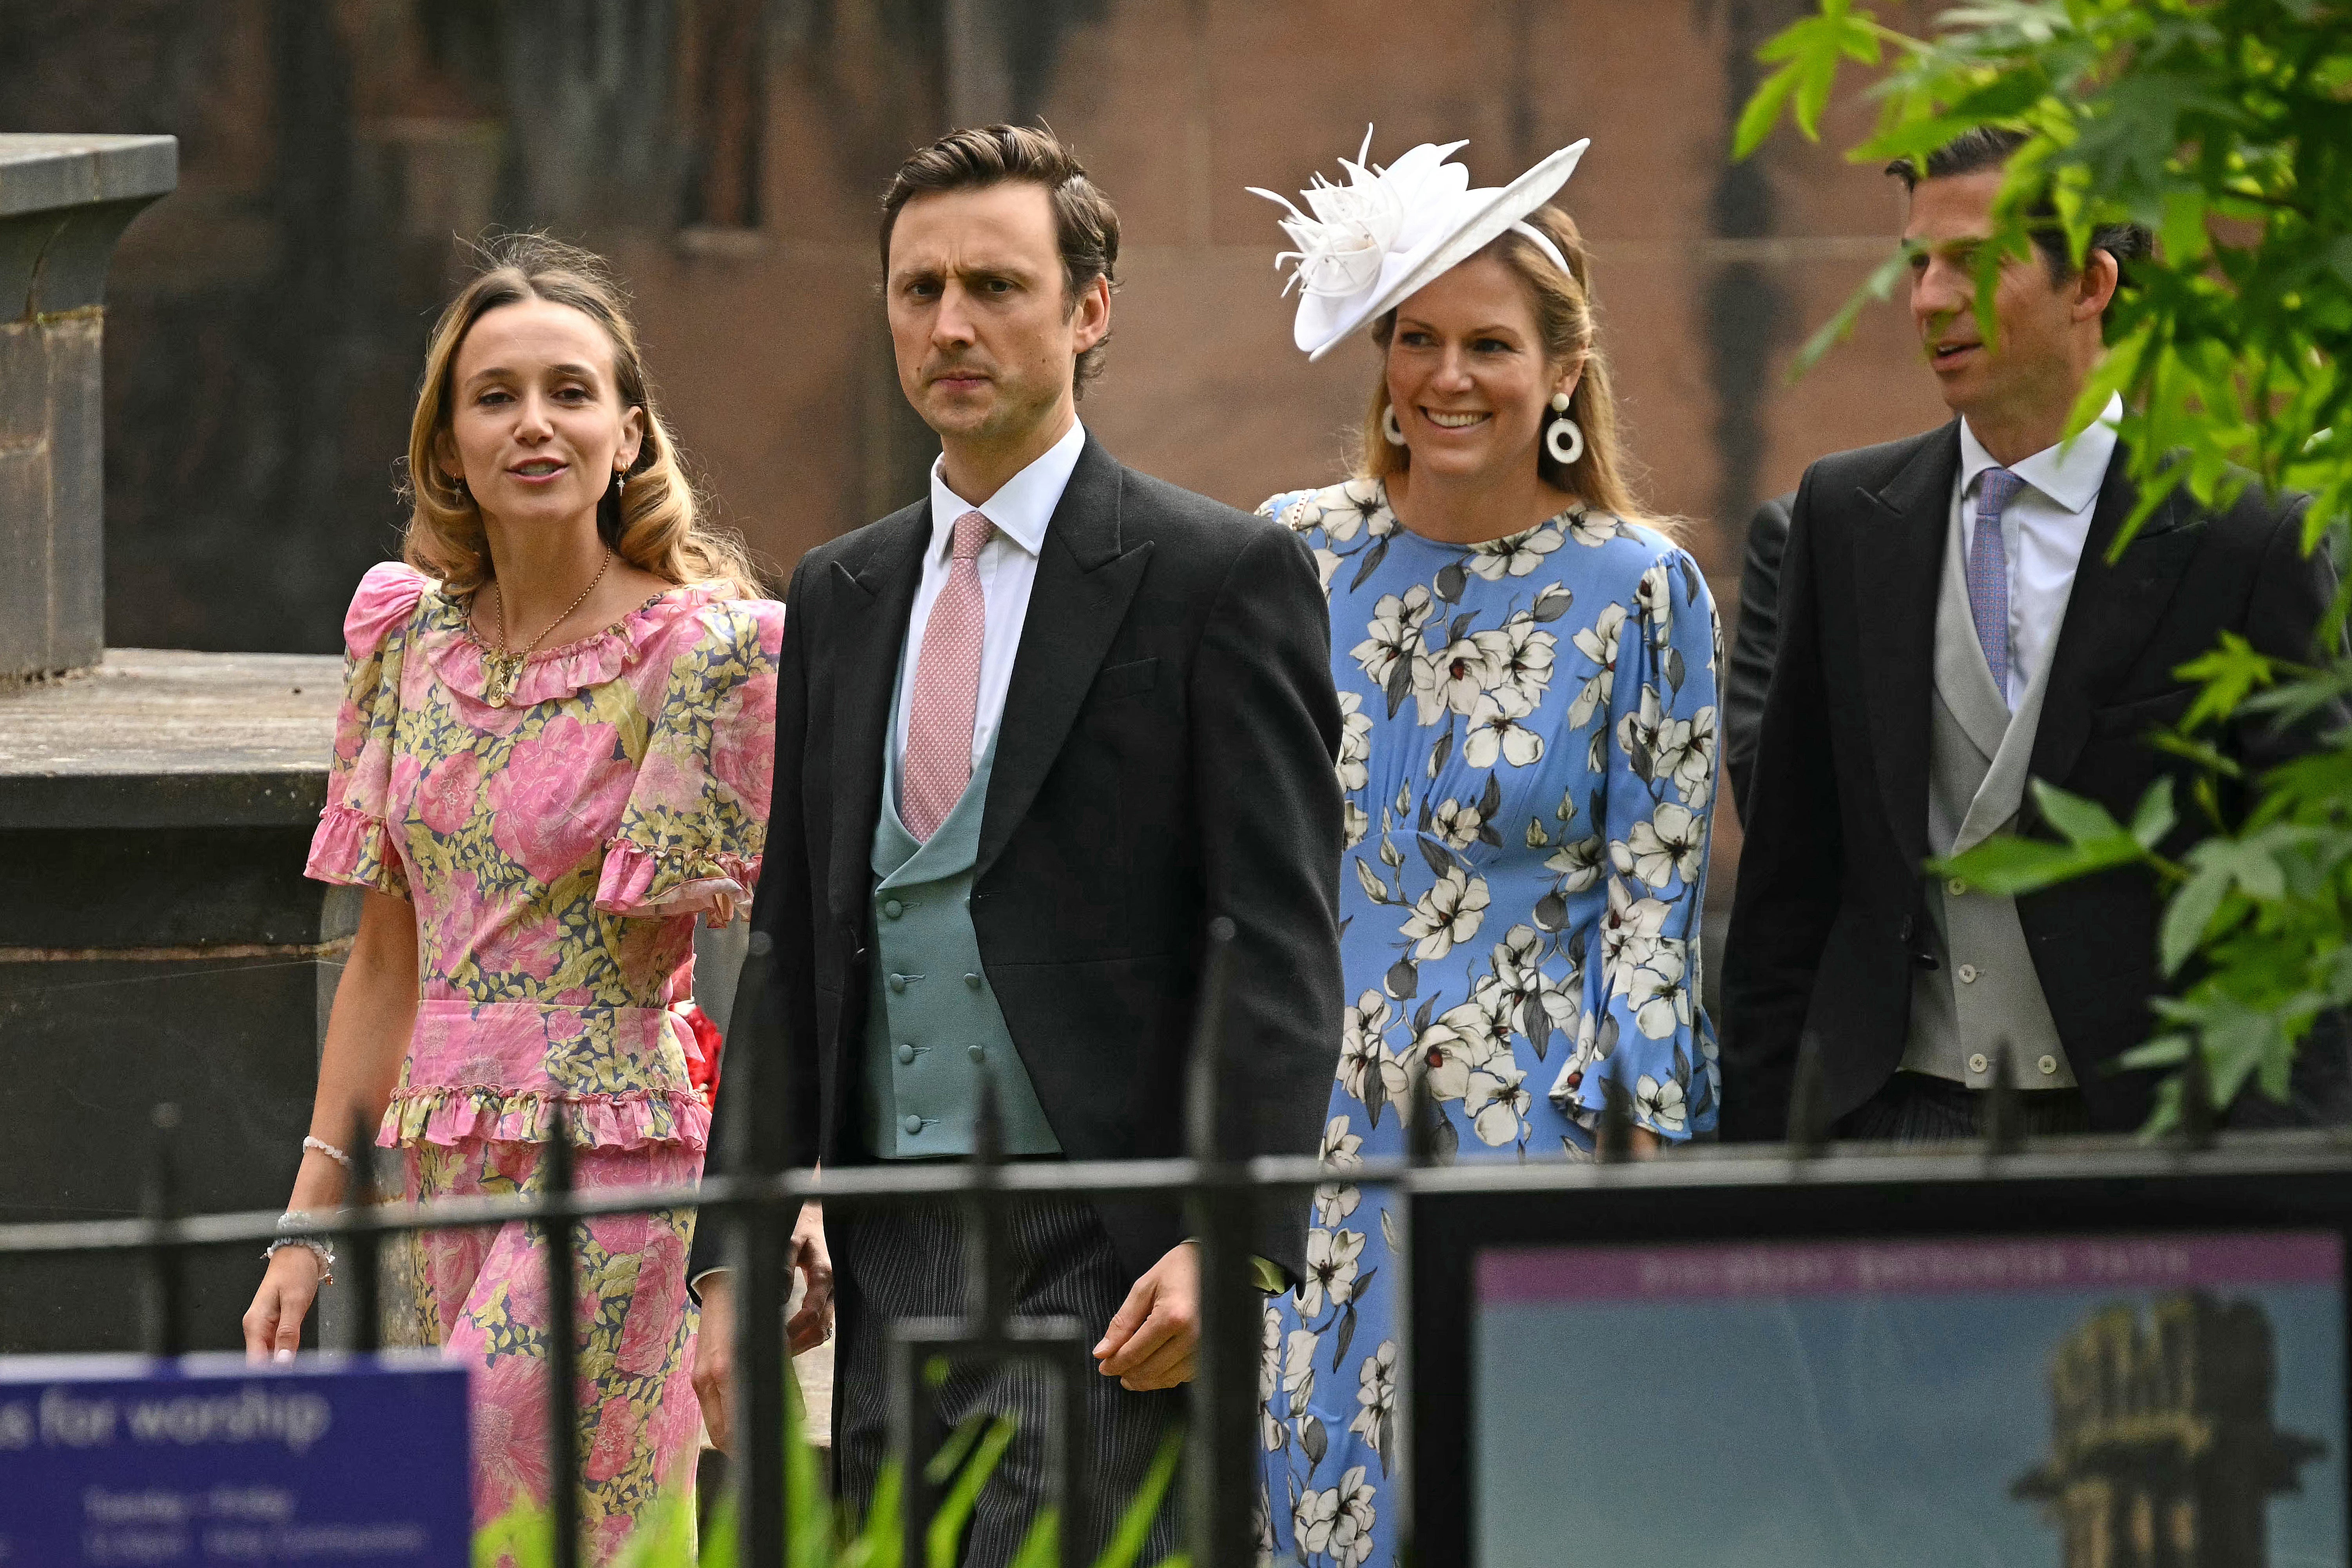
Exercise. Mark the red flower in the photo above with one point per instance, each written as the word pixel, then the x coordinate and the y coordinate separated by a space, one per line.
pixel 702 1056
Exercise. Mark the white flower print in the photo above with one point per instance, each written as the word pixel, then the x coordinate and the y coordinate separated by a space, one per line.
pixel 1326 566
pixel 1299 1368
pixel 1269 1378
pixel 1671 843
pixel 1359 507
pixel 1498 1102
pixel 1514 556
pixel 1312 1518
pixel 1659 1104
pixel 1352 1532
pixel 1597 642
pixel 1578 864
pixel 1355 741
pixel 1637 734
pixel 1495 730
pixel 1655 594
pixel 1520 653
pixel 1396 636
pixel 1334 1201
pixel 1331 1270
pixel 1355 822
pixel 1662 1003
pixel 1686 750
pixel 1519 980
pixel 1449 912
pixel 1629 929
pixel 1361 1046
pixel 1375 1395
pixel 1463 673
pixel 1593 529
pixel 1456 823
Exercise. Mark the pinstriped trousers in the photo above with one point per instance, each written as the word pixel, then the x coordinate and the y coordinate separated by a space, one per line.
pixel 910 1262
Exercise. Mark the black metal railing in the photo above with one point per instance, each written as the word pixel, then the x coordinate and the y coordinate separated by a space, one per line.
pixel 1219 1183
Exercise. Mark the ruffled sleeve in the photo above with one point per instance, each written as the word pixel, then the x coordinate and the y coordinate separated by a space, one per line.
pixel 352 844
pixel 697 820
pixel 1643 993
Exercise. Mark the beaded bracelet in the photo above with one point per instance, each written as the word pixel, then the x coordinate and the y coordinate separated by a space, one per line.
pixel 330 1151
pixel 317 1245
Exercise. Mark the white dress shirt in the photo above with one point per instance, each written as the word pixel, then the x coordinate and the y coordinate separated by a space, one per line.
pixel 1008 570
pixel 2041 533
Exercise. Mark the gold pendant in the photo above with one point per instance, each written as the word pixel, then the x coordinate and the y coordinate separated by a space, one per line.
pixel 500 672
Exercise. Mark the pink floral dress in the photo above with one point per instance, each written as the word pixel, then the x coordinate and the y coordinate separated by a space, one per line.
pixel 558 849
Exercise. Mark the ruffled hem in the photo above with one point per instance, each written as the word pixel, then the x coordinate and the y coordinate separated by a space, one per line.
pixel 451 1114
pixel 558 672
pixel 352 848
pixel 638 880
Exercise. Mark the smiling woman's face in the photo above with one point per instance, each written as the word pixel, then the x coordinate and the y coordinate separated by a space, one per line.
pixel 1467 374
pixel 537 426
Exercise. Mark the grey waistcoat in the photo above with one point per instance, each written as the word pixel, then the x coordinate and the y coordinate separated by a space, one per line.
pixel 931 1019
pixel 1985 989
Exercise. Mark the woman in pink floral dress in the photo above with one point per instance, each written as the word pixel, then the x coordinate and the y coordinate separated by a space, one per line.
pixel 553 756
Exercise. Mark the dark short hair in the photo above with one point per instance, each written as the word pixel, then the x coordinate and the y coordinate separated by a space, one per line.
pixel 1988 147
pixel 1086 226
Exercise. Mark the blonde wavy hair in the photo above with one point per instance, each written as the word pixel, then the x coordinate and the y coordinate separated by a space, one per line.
pixel 654 522
pixel 1602 477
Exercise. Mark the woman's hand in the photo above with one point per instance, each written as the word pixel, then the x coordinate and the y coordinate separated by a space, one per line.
pixel 273 1324
pixel 811 1325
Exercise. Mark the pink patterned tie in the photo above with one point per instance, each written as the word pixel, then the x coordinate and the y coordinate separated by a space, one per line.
pixel 947 689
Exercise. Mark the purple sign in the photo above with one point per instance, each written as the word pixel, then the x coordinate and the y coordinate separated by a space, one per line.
pixel 1700 1270
pixel 332 1459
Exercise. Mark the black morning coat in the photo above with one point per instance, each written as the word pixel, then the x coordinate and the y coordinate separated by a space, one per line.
pixel 1166 756
pixel 1831 916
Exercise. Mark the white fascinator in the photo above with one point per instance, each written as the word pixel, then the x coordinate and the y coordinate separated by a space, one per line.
pixel 1366 245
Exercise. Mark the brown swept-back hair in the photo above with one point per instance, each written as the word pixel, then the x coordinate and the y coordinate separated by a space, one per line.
pixel 1086 226
pixel 654 522
pixel 1601 478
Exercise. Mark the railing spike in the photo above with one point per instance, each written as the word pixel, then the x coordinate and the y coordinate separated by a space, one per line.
pixel 362 1268
pixel 562 1345
pixel 2004 1111
pixel 1615 1144
pixel 2199 1117
pixel 165 1327
pixel 1809 1108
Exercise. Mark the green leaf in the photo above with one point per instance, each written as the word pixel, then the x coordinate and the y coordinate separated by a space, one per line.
pixel 2155 816
pixel 2007 865
pixel 2187 916
pixel 1126 1543
pixel 2229 674
pixel 946 1532
pixel 1763 113
pixel 2084 822
pixel 1876 288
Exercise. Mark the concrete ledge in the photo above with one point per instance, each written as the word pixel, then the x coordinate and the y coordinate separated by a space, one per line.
pixel 172 739
pixel 41 171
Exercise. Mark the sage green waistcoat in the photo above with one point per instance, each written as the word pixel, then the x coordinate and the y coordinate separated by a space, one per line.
pixel 1986 990
pixel 932 1021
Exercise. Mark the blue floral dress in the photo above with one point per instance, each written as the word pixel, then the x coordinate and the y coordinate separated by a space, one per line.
pixel 1529 764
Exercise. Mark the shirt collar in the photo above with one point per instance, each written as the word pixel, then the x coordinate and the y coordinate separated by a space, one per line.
pixel 2069 473
pixel 1025 504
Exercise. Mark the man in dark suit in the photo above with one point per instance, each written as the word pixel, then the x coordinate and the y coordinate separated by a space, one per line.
pixel 1755 639
pixel 1032 734
pixel 1950 626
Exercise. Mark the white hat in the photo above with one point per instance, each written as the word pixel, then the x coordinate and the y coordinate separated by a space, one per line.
pixel 1387 233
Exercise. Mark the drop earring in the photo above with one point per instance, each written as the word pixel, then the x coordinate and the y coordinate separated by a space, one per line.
pixel 1389 431
pixel 1563 431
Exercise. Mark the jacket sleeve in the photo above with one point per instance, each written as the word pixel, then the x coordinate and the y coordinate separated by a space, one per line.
pixel 767 1116
pixel 1265 736
pixel 1755 638
pixel 1791 860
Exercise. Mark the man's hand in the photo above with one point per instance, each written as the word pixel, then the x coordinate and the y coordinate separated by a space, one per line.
pixel 714 1345
pixel 1155 1335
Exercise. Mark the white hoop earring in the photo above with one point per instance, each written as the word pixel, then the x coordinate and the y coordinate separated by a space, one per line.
pixel 1394 437
pixel 1563 429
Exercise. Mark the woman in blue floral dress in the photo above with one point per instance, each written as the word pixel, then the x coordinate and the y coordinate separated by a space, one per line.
pixel 1527 670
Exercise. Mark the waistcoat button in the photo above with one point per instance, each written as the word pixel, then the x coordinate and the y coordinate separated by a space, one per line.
pixel 898 983
pixel 973 981
pixel 912 1125
pixel 1968 974
pixel 1977 1063
pixel 893 908
pixel 977 1053
pixel 2048 1063
pixel 906 1054
pixel 1956 886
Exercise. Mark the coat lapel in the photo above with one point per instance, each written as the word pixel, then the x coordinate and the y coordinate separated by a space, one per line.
pixel 2111 614
pixel 1085 582
pixel 1898 559
pixel 877 595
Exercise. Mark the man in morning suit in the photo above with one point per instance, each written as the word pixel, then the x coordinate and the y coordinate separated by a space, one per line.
pixel 1950 627
pixel 1032 734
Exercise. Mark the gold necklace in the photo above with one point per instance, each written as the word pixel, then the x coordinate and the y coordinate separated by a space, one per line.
pixel 501 667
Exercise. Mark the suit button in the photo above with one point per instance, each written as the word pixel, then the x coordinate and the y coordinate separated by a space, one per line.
pixel 977 1053
pixel 911 1125
pixel 893 908
pixel 1956 886
pixel 1910 927
pixel 973 981
pixel 1978 1063
pixel 906 1054
pixel 2048 1063
pixel 898 983
pixel 1968 974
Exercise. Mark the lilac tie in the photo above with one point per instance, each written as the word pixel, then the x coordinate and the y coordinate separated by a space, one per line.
pixel 946 688
pixel 1989 572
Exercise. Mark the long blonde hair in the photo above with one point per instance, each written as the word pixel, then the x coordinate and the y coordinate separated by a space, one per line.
pixel 654 523
pixel 1600 476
